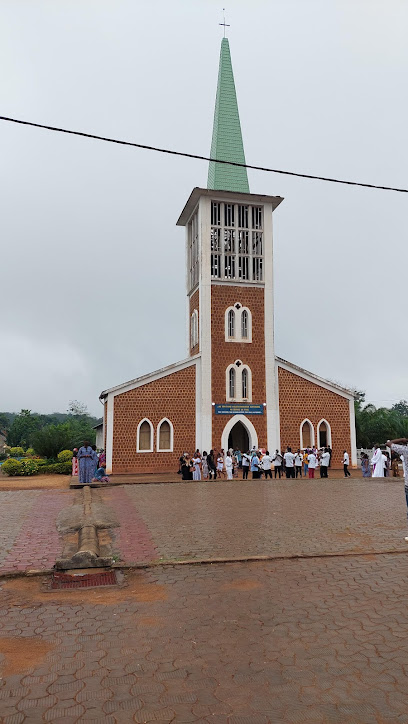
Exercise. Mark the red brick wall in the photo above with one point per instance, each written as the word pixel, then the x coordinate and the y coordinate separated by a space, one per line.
pixel 225 353
pixel 194 304
pixel 300 399
pixel 172 397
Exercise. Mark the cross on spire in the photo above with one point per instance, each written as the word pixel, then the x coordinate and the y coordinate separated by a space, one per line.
pixel 226 25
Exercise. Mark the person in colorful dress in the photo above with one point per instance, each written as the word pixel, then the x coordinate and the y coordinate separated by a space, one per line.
pixel 87 461
pixel 75 463
pixel 365 466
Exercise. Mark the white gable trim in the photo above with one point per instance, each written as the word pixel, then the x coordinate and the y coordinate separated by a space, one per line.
pixel 315 379
pixel 151 377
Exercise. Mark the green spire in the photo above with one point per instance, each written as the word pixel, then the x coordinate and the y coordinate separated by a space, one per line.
pixel 227 137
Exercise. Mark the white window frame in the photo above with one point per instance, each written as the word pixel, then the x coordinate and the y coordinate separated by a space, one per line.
pixel 238 324
pixel 238 383
pixel 151 449
pixel 329 435
pixel 170 449
pixel 312 436
pixel 194 329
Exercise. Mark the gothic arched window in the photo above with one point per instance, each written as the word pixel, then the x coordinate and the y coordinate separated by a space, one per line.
pixel 145 436
pixel 231 323
pixel 244 324
pixel 244 379
pixel 231 383
pixel 165 436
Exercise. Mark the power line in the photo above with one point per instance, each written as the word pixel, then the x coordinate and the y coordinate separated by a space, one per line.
pixel 203 158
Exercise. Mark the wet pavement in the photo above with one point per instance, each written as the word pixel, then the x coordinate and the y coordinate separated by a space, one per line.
pixel 319 640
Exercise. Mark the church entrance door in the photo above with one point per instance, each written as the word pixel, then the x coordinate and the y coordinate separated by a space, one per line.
pixel 238 438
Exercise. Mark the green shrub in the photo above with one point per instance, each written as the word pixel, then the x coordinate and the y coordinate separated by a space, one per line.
pixel 3 456
pixel 30 452
pixel 12 467
pixel 65 456
pixel 41 461
pixel 16 452
pixel 56 468
pixel 28 467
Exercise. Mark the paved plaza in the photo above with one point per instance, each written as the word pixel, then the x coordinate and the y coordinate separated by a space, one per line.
pixel 320 638
pixel 218 520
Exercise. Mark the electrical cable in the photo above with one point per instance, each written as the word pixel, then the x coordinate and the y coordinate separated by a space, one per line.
pixel 204 158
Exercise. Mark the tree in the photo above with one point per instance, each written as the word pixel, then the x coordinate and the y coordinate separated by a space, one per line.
pixel 77 408
pixel 4 422
pixel 401 407
pixel 52 439
pixel 22 429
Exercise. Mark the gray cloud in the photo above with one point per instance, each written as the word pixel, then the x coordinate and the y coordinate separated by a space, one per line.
pixel 92 265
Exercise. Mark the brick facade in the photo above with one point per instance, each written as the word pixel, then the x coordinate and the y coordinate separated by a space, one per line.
pixel 225 353
pixel 194 304
pixel 300 399
pixel 173 397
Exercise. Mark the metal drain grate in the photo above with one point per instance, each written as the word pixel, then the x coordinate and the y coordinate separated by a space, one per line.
pixel 87 580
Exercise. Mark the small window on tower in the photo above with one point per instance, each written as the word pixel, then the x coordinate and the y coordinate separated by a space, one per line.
pixel 229 268
pixel 216 265
pixel 231 323
pixel 244 324
pixel 231 383
pixel 244 384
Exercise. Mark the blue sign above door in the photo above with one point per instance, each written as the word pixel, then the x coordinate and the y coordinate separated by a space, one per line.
pixel 238 408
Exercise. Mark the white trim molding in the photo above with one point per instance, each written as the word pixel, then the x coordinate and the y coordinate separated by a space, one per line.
pixel 353 434
pixel 315 379
pixel 109 432
pixel 312 433
pixel 252 434
pixel 162 449
pixel 329 434
pixel 151 448
pixel 151 377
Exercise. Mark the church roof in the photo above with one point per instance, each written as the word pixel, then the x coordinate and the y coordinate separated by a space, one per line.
pixel 227 142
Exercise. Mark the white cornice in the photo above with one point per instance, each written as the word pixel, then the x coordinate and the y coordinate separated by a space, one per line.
pixel 151 377
pixel 331 386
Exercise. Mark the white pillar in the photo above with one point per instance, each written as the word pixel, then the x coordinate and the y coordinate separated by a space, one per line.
pixel 109 432
pixel 271 369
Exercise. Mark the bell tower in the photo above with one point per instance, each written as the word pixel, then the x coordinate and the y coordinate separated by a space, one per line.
pixel 229 284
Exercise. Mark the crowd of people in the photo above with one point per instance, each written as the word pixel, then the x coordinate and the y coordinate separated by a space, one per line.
pixel 89 465
pixel 226 464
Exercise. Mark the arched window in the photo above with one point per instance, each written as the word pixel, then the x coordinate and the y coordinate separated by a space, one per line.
pixel 194 329
pixel 323 434
pixel 165 436
pixel 306 434
pixel 231 323
pixel 244 324
pixel 145 436
pixel 231 383
pixel 238 381
pixel 244 379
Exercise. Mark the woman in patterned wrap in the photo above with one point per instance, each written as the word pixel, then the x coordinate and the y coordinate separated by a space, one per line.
pixel 87 459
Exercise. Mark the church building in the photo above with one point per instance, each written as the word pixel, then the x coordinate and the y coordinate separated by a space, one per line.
pixel 231 390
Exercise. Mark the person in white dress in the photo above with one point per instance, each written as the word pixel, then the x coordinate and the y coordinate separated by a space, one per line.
pixel 197 467
pixel 229 464
pixel 311 461
pixel 377 462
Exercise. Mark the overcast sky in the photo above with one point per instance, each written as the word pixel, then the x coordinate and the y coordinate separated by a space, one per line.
pixel 92 264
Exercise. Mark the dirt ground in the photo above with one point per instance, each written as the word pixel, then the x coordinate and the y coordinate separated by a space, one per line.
pixel 34 482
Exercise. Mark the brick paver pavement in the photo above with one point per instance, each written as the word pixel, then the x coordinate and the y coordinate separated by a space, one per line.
pixel 320 640
pixel 28 535
pixel 230 519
